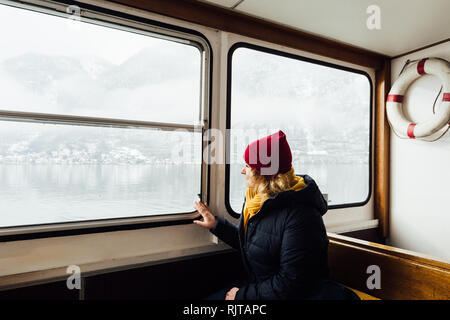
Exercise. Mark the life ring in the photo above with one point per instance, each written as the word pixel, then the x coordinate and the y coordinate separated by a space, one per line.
pixel 404 127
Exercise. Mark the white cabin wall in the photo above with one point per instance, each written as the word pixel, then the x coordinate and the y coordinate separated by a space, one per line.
pixel 420 171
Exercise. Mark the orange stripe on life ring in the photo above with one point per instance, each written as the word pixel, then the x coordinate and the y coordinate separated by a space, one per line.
pixel 446 96
pixel 394 98
pixel 410 131
pixel 421 67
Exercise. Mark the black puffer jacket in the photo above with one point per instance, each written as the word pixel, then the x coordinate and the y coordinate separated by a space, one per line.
pixel 285 248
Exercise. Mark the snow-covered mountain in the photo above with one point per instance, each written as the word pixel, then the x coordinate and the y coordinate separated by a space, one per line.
pixel 86 83
pixel 149 67
pixel 38 71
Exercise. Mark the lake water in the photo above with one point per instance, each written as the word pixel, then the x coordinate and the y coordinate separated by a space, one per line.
pixel 344 183
pixel 36 194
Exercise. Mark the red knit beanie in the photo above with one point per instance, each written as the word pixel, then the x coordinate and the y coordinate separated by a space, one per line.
pixel 269 155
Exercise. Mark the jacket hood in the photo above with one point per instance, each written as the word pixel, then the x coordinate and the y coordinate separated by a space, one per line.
pixel 310 195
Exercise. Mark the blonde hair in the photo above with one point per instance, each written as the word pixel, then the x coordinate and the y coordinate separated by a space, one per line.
pixel 267 186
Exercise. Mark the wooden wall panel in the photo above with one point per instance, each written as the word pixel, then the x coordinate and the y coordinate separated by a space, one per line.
pixel 382 148
pixel 232 21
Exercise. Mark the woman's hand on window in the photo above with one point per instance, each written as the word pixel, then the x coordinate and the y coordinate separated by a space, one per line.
pixel 209 221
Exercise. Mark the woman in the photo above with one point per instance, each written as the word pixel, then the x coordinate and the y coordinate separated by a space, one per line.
pixel 281 234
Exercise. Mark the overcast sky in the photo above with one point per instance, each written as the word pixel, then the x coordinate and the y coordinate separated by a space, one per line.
pixel 265 87
pixel 66 37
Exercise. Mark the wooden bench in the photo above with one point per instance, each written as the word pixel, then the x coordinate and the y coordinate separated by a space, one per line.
pixel 404 274
pixel 363 296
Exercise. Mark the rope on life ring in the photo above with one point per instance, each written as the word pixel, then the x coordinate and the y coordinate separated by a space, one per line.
pixel 405 128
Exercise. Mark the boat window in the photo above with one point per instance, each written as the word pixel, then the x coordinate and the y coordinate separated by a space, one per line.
pixel 97 120
pixel 324 110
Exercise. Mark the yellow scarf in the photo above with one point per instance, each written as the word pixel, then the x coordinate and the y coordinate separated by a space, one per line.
pixel 253 200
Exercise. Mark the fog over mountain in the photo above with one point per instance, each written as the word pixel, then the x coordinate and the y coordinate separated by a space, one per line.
pixel 92 86
pixel 38 71
pixel 324 111
pixel 158 86
pixel 135 89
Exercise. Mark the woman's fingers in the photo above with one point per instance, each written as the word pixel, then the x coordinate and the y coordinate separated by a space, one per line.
pixel 202 212
pixel 199 203
pixel 200 207
pixel 208 220
pixel 197 215
pixel 203 223
pixel 200 223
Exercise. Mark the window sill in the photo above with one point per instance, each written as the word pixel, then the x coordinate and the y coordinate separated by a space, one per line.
pixel 353 226
pixel 38 261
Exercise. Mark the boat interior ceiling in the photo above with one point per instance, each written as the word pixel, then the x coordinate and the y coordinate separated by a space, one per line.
pixel 421 24
pixel 115 116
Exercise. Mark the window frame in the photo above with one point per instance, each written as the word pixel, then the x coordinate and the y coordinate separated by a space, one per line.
pixel 133 23
pixel 268 50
